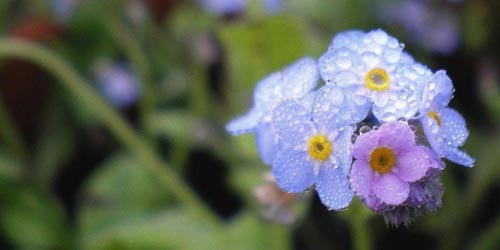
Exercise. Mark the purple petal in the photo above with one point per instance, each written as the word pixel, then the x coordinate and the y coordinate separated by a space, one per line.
pixel 412 165
pixel 375 204
pixel 333 187
pixel 364 145
pixel 293 170
pixel 397 136
pixel 361 178
pixel 390 189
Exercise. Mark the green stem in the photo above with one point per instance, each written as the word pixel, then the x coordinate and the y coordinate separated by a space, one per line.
pixel 10 135
pixel 358 217
pixel 122 131
pixel 132 48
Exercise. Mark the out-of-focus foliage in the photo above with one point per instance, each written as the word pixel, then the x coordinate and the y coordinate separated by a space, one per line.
pixel 74 177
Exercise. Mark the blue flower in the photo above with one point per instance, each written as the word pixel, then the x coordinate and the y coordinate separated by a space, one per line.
pixel 428 24
pixel 444 127
pixel 312 151
pixel 118 83
pixel 64 9
pixel 295 81
pixel 224 7
pixel 373 66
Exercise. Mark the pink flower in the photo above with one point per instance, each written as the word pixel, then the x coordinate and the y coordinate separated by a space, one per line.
pixel 387 162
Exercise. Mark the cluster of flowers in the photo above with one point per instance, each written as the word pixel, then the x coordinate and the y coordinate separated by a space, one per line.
pixel 356 133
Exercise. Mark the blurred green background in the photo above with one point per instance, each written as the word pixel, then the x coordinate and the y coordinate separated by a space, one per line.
pixel 112 118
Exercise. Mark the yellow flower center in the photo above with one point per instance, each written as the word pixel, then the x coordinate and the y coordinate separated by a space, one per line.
pixel 435 116
pixel 382 160
pixel 320 147
pixel 377 79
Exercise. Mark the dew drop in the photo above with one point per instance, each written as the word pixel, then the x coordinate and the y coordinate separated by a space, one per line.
pixel 354 137
pixel 343 62
pixel 364 129
pixel 371 59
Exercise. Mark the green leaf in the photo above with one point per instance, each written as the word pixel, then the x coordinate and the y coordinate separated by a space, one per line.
pixel 32 219
pixel 119 189
pixel 171 229
pixel 256 49
pixel 55 144
pixel 9 168
pixel 248 231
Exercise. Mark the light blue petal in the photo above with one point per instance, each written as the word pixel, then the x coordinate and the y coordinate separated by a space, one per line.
pixel 293 170
pixel 438 91
pixel 300 78
pixel 446 139
pixel 342 149
pixel 334 62
pixel 294 81
pixel 402 98
pixel 400 103
pixel 266 141
pixel 459 157
pixel 292 122
pixel 453 127
pixel 268 92
pixel 244 124
pixel 433 133
pixel 349 39
pixel 337 107
pixel 333 187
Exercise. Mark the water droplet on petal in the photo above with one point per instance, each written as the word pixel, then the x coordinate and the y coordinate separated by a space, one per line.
pixel 364 129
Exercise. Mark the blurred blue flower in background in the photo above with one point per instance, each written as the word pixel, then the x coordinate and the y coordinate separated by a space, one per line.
pixel 64 9
pixel 432 26
pixel 272 6
pixel 224 7
pixel 118 83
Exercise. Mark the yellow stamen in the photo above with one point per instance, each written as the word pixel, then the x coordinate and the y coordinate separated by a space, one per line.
pixel 435 116
pixel 377 79
pixel 319 147
pixel 382 160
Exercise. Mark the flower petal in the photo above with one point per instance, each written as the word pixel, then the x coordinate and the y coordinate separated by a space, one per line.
pixel 268 92
pixel 361 178
pixel 333 187
pixel 364 145
pixel 453 127
pixel 334 107
pixel 293 170
pixel 244 124
pixel 266 141
pixel 390 189
pixel 342 149
pixel 457 156
pixel 413 165
pixel 300 78
pixel 397 136
pixel 349 39
pixel 292 122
